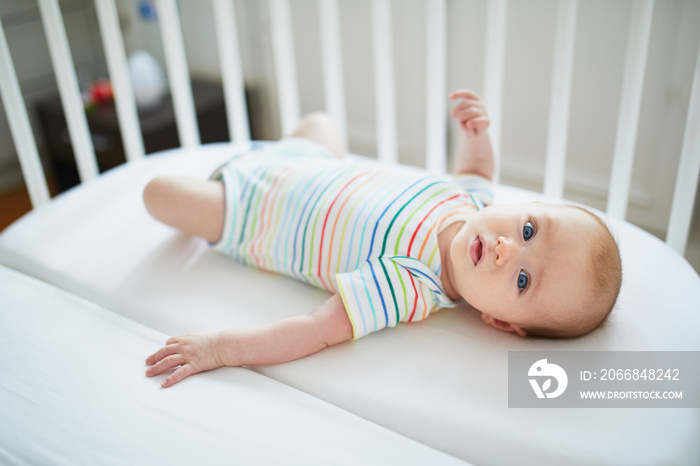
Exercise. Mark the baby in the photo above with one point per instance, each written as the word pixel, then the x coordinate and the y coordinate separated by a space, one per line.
pixel 392 244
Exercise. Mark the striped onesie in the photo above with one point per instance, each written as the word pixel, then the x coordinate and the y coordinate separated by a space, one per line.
pixel 366 230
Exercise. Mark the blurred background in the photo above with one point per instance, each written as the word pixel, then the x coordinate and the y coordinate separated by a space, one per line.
pixel 601 40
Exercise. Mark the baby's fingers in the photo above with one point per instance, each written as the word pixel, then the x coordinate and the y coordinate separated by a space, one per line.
pixel 480 123
pixel 161 353
pixel 467 112
pixel 165 365
pixel 464 94
pixel 177 376
pixel 173 340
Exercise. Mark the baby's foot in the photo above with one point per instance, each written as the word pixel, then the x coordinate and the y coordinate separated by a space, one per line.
pixel 323 129
pixel 474 152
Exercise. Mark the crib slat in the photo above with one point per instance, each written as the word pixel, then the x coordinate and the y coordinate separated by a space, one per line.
pixel 285 64
pixel 123 92
pixel 436 132
pixel 384 81
pixel 688 173
pixel 20 127
pixel 231 70
pixel 178 73
pixel 68 86
pixel 331 52
pixel 630 103
pixel 496 21
pixel 562 72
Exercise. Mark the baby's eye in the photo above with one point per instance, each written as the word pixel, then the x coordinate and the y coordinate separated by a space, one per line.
pixel 528 231
pixel 523 280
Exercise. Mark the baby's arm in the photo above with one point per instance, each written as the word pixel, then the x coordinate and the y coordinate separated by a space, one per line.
pixel 275 343
pixel 474 153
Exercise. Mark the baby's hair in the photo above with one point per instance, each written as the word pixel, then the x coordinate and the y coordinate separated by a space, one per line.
pixel 605 269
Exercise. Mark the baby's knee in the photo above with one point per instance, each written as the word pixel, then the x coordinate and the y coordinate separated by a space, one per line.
pixel 320 120
pixel 156 192
pixel 322 128
pixel 152 190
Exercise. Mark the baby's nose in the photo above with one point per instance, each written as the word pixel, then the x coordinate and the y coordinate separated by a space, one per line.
pixel 504 250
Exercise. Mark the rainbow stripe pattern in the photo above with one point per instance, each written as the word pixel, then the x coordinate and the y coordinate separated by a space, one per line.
pixel 366 230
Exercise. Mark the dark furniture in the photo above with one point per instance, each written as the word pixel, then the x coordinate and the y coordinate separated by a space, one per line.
pixel 157 126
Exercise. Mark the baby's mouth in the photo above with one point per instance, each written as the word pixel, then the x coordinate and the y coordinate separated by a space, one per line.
pixel 476 250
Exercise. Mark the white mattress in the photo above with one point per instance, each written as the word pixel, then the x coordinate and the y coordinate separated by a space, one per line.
pixel 73 391
pixel 441 382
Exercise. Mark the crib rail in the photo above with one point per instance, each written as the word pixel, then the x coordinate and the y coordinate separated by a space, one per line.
pixel 123 91
pixel 178 74
pixel 333 81
pixel 21 128
pixel 638 45
pixel 231 70
pixel 436 81
pixel 562 74
pixel 496 21
pixel 688 169
pixel 70 91
pixel 288 96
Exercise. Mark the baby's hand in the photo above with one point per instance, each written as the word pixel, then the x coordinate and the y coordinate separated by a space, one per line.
pixel 470 112
pixel 195 352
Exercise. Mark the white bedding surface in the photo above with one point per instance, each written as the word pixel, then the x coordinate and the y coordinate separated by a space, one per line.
pixel 442 382
pixel 73 392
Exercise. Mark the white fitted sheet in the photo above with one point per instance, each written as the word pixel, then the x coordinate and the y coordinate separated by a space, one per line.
pixel 442 382
pixel 73 391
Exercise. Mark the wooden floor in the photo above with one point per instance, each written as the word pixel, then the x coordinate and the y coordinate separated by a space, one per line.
pixel 12 206
pixel 15 203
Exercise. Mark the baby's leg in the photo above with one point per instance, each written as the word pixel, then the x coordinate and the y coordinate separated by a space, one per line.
pixel 323 129
pixel 195 206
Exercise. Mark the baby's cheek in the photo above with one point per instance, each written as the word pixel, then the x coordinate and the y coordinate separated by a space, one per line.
pixel 488 299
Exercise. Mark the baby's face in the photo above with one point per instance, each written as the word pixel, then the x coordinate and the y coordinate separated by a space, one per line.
pixel 525 264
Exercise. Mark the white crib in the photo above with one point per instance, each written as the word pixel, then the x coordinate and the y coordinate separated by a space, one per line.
pixel 90 283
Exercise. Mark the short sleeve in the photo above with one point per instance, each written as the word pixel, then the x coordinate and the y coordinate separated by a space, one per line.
pixel 383 292
pixel 479 189
pixel 231 214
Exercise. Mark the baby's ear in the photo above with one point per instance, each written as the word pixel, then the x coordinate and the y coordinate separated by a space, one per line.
pixel 501 325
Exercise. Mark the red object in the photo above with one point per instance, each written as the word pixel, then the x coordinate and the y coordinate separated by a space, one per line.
pixel 101 92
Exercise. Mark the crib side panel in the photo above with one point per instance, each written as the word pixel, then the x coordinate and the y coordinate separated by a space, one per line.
pixel 688 172
pixel 70 92
pixel 436 67
pixel 384 81
pixel 436 83
pixel 20 127
pixel 178 73
pixel 630 104
pixel 496 21
pixel 332 61
pixel 562 74
pixel 124 99
pixel 231 70
pixel 285 64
